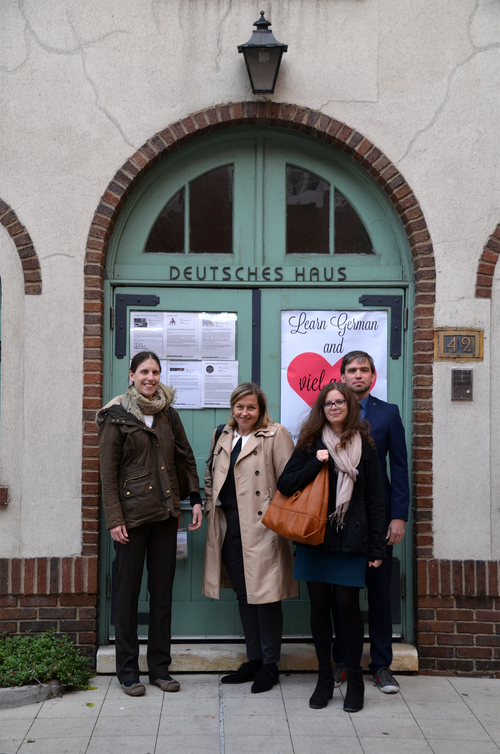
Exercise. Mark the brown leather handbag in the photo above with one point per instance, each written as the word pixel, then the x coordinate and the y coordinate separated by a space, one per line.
pixel 301 517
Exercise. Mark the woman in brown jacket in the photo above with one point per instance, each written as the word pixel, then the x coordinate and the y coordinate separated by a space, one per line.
pixel 241 552
pixel 140 491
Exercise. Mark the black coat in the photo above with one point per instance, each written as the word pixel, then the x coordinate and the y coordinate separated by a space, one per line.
pixel 364 528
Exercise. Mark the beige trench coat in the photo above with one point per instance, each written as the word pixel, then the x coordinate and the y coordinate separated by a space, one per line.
pixel 267 557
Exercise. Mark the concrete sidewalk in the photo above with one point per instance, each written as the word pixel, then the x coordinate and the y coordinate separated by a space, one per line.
pixel 431 715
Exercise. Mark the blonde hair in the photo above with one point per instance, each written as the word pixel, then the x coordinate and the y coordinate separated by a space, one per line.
pixel 251 388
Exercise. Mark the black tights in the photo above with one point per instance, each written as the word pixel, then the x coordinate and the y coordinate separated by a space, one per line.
pixel 321 621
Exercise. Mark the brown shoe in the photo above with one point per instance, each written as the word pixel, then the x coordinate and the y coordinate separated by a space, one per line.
pixel 166 684
pixel 136 689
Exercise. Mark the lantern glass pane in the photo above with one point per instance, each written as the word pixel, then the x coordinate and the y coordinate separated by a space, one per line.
pixel 263 64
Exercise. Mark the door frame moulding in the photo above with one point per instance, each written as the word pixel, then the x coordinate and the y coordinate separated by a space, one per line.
pixel 339 136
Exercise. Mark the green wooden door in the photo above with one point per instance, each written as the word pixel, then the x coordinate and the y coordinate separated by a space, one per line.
pixel 280 186
pixel 193 614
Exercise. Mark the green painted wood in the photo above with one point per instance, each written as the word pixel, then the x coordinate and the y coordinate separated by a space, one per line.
pixel 259 156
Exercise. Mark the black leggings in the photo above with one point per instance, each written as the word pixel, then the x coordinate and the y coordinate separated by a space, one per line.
pixel 347 598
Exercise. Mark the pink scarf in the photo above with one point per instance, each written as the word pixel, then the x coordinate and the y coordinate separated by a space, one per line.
pixel 346 460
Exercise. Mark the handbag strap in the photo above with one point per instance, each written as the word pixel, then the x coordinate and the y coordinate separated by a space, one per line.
pixel 170 413
pixel 218 433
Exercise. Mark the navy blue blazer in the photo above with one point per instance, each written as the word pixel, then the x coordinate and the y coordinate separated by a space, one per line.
pixel 389 435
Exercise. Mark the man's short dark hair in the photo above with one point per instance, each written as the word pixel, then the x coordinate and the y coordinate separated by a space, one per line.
pixel 361 355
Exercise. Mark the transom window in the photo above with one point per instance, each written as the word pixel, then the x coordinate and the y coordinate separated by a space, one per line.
pixel 256 198
pixel 199 218
pixel 309 211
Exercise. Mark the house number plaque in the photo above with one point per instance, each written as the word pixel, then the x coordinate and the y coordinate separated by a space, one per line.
pixel 458 344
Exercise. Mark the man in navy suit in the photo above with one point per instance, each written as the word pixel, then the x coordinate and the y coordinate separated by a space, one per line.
pixel 358 372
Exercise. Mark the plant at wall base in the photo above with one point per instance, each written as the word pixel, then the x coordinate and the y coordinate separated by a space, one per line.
pixel 42 657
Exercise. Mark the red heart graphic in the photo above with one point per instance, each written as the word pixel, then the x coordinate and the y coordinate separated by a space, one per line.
pixel 309 372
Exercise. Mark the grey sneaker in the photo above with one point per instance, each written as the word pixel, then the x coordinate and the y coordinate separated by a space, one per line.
pixel 386 682
pixel 339 674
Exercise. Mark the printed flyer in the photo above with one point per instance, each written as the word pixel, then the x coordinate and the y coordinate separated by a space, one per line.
pixel 313 344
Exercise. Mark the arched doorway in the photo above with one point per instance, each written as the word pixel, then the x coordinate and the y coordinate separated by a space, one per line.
pixel 253 222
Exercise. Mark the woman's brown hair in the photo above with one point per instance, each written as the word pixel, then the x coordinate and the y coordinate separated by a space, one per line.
pixel 251 388
pixel 313 425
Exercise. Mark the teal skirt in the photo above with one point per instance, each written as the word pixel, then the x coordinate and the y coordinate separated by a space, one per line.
pixel 342 568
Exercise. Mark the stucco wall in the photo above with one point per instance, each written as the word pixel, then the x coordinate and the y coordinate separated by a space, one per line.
pixel 83 85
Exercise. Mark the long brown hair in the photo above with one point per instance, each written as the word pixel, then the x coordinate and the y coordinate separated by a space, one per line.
pixel 251 388
pixel 313 425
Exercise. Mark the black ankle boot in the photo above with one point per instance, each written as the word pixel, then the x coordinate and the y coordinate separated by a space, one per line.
pixel 324 688
pixel 355 694
pixel 246 672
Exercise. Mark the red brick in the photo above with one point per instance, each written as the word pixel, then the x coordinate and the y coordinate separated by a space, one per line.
pixel 454 614
pixel 78 578
pixel 86 613
pixel 56 613
pixel 37 626
pixel 16 575
pixel 8 627
pixel 482 652
pixel 488 640
pixel 474 628
pixel 41 580
pixel 455 639
pixel 475 603
pixel 454 665
pixel 17 613
pixel 8 600
pixel 435 626
pixel 434 651
pixel 426 639
pixel 38 600
pixel 78 600
pixel 488 666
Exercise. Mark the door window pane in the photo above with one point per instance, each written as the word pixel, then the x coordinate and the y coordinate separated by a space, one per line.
pixel 211 212
pixel 167 234
pixel 350 233
pixel 307 213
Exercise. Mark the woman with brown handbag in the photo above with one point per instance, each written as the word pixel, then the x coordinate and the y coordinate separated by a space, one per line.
pixel 334 433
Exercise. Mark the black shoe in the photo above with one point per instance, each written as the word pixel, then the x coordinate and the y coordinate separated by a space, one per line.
pixel 324 688
pixel 339 674
pixel 246 672
pixel 386 682
pixel 355 693
pixel 266 678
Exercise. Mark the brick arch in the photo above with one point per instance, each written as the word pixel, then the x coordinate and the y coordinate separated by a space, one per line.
pixel 487 264
pixel 24 245
pixel 340 136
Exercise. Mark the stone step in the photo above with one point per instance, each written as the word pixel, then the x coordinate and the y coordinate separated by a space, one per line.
pixel 221 658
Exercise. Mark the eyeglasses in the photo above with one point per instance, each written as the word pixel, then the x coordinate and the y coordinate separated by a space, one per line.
pixel 337 404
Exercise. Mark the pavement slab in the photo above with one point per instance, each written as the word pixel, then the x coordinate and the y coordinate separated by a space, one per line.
pixel 431 715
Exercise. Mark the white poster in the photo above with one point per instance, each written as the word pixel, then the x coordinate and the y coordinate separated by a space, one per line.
pixel 185 377
pixel 182 331
pixel 218 336
pixel 219 380
pixel 146 332
pixel 313 344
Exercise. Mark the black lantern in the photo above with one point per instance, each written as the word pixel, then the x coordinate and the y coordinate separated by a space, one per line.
pixel 262 55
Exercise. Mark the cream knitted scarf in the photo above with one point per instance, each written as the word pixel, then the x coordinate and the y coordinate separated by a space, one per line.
pixel 346 460
pixel 137 404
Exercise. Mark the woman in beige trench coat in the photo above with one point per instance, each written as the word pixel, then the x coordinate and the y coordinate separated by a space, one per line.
pixel 241 552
